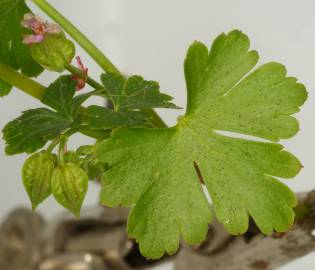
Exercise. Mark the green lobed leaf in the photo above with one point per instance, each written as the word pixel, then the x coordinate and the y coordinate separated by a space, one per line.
pixel 135 93
pixel 32 130
pixel 59 96
pixel 54 53
pixel 100 117
pixel 114 84
pixel 69 186
pixel 12 51
pixel 152 170
pixel 36 173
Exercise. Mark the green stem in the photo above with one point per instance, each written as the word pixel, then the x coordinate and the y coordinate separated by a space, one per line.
pixel 61 153
pixel 77 35
pixel 21 82
pixel 53 144
pixel 90 48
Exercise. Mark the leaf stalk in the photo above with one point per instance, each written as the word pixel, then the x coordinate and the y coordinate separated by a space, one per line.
pixel 21 82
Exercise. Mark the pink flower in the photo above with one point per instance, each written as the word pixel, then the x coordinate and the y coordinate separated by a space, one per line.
pixel 31 39
pixel 53 28
pixel 39 28
pixel 34 23
pixel 81 80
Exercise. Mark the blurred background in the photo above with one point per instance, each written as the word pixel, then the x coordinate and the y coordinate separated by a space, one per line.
pixel 150 38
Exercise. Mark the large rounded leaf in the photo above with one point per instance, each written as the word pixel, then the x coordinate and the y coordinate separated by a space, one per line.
pixel 153 170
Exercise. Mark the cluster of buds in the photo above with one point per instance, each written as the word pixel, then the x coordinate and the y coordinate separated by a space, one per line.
pixel 39 28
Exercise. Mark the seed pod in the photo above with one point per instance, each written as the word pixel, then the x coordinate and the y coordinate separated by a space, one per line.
pixel 36 173
pixel 69 186
pixel 54 53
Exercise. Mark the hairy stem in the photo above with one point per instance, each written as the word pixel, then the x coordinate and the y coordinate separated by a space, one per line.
pixel 90 48
pixel 21 82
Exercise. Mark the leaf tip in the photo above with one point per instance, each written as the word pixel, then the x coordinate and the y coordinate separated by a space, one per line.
pixel 34 206
pixel 77 213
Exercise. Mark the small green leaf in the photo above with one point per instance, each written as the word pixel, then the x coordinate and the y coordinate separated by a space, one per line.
pixel 101 117
pixel 54 53
pixel 135 93
pixel 69 186
pixel 12 51
pixel 4 88
pixel 59 96
pixel 240 175
pixel 36 173
pixel 32 130
pixel 143 94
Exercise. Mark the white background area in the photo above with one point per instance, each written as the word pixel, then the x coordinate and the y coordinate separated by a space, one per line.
pixel 150 37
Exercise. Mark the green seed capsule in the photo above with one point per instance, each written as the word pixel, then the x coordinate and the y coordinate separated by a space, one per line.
pixel 36 173
pixel 69 186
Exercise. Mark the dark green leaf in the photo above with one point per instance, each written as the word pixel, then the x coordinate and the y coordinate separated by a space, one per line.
pixel 100 117
pixel 69 186
pixel 59 96
pixel 96 133
pixel 78 101
pixel 36 173
pixel 135 93
pixel 143 94
pixel 12 51
pixel 114 86
pixel 32 130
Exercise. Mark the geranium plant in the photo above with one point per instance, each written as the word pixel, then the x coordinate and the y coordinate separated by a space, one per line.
pixel 160 172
